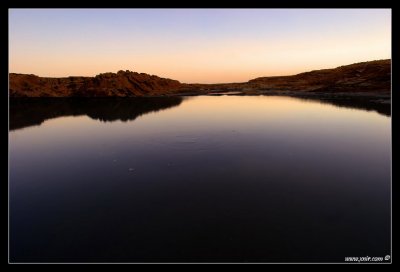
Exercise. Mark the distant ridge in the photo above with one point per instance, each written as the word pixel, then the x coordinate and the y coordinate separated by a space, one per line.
pixel 371 76
pixel 364 76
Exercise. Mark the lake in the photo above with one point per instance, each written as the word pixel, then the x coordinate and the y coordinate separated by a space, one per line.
pixel 198 179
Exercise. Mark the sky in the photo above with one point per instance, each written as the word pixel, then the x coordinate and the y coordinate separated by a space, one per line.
pixel 194 45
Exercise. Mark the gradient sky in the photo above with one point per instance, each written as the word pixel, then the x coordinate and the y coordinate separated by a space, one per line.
pixel 204 46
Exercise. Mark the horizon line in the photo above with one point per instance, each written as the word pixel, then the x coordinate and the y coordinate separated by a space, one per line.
pixel 127 70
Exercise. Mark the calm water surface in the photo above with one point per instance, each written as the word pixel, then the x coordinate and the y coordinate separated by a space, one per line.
pixel 211 178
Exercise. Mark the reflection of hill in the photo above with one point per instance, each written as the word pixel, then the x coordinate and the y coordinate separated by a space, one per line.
pixel 382 108
pixel 26 112
pixel 364 103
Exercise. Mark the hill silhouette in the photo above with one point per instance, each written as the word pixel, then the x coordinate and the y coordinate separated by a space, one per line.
pixel 364 77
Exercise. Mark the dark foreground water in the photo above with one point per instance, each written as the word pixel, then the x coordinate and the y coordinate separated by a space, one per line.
pixel 201 179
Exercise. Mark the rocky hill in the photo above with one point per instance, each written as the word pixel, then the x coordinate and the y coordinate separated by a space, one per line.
pixel 372 76
pixel 364 77
pixel 121 84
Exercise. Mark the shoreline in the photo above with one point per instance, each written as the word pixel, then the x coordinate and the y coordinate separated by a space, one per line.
pixel 378 97
pixel 382 97
pixel 378 102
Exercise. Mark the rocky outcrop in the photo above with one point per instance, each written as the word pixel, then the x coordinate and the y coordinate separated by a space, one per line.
pixel 127 84
pixel 372 76
pixel 121 84
pixel 21 85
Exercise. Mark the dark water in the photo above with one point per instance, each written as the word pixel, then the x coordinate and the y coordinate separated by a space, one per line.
pixel 201 179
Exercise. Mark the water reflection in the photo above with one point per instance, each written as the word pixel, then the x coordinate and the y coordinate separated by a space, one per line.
pixel 28 112
pixel 216 179
pixel 381 106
